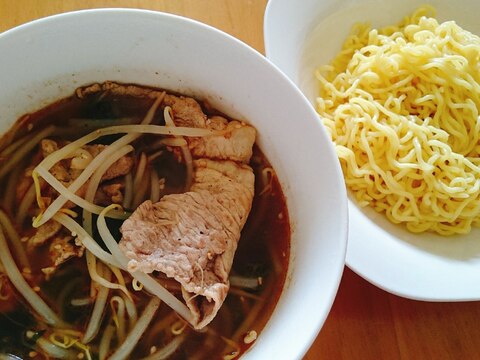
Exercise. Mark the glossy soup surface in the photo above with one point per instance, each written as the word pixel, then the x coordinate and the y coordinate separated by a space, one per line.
pixel 263 251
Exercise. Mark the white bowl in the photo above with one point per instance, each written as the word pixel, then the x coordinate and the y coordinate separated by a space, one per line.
pixel 299 38
pixel 47 59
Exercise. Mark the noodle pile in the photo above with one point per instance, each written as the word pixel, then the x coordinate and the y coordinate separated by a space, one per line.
pixel 402 106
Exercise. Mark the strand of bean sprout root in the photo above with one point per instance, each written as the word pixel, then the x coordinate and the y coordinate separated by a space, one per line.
pixel 131 340
pixel 140 181
pixel 187 155
pixel 95 181
pixel 15 240
pixel 24 150
pixel 18 281
pixel 100 301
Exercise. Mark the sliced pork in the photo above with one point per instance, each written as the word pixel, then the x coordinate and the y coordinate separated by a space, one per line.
pixel 235 145
pixel 192 237
pixel 44 233
pixel 62 246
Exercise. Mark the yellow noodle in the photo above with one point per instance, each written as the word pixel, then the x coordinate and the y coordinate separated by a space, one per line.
pixel 402 105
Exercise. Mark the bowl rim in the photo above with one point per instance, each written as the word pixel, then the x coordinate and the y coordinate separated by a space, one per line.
pixel 406 278
pixel 304 343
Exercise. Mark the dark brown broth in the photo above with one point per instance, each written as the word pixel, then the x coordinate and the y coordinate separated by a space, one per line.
pixel 263 250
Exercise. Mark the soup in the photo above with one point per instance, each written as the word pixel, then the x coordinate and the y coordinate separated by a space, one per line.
pixel 78 284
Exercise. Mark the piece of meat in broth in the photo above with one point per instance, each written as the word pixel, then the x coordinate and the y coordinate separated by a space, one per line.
pixel 62 246
pixel 236 143
pixel 44 233
pixel 192 237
